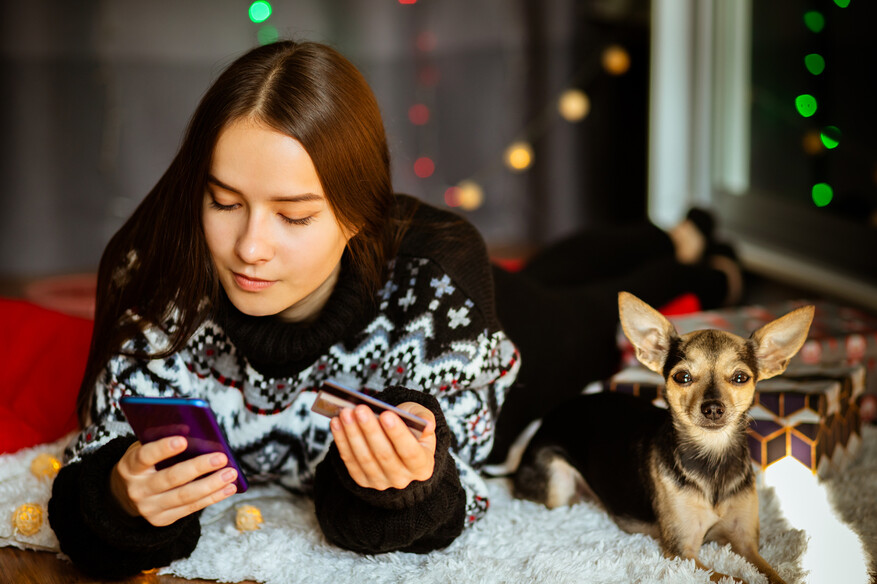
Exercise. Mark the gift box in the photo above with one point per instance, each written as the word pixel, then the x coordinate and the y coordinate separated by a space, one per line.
pixel 810 414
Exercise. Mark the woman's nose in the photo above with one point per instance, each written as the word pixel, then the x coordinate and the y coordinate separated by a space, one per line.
pixel 254 245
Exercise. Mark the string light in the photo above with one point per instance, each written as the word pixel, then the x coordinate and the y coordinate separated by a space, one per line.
pixel 519 156
pixel 814 21
pixel 418 114
pixel 811 143
pixel 470 195
pixel 616 60
pixel 814 63
pixel 260 11
pixel 424 167
pixel 822 194
pixel 806 105
pixel 830 137
pixel 573 105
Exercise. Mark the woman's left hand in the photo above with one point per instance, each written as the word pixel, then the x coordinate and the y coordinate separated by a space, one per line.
pixel 381 452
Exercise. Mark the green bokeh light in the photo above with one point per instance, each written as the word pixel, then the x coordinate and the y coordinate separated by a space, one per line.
pixel 260 11
pixel 814 21
pixel 814 63
pixel 822 194
pixel 842 3
pixel 830 136
pixel 267 34
pixel 806 105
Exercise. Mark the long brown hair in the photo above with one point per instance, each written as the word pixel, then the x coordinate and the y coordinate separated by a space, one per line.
pixel 159 261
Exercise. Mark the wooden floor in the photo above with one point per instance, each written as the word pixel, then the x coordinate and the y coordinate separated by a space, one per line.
pixel 31 567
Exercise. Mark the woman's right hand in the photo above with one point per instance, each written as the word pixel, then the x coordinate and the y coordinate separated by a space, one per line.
pixel 164 496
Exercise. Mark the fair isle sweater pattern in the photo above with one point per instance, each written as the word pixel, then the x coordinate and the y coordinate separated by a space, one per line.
pixel 426 335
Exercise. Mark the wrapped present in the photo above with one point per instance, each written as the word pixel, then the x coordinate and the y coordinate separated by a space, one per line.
pixel 810 413
pixel 839 336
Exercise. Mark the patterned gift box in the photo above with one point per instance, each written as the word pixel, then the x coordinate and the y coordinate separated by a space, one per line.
pixel 810 414
pixel 839 336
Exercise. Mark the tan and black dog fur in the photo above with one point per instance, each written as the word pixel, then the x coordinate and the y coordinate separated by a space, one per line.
pixel 682 474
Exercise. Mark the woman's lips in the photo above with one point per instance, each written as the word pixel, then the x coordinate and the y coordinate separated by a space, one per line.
pixel 251 284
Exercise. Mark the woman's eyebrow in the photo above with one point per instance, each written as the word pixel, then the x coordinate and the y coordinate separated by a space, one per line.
pixel 301 198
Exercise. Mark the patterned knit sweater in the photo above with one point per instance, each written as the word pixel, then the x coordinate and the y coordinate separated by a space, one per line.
pixel 430 336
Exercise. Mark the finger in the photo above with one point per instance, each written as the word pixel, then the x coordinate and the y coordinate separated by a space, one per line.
pixel 354 421
pixel 194 497
pixel 345 451
pixel 148 455
pixel 381 448
pixel 407 447
pixel 188 470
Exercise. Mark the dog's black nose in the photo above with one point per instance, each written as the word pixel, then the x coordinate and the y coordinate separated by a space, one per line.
pixel 712 409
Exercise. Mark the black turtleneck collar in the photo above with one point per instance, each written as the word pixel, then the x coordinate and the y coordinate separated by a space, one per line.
pixel 277 348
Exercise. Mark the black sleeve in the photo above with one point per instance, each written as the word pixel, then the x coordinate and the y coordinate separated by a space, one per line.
pixel 424 516
pixel 96 533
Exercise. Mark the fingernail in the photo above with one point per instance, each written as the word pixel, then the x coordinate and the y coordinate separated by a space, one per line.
pixel 229 475
pixel 335 423
pixel 347 416
pixel 217 460
pixel 178 442
pixel 363 414
pixel 389 421
pixel 229 490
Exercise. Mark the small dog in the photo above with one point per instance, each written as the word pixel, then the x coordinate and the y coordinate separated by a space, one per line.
pixel 682 474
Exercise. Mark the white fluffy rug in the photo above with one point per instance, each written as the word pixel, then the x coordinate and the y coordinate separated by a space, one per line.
pixel 518 541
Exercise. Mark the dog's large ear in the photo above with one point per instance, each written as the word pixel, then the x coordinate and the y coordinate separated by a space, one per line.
pixel 647 330
pixel 778 341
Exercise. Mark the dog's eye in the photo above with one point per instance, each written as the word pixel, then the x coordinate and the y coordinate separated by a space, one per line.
pixel 740 377
pixel 682 377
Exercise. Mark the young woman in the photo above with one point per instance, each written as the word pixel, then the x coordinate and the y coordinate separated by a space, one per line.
pixel 270 257
pixel 273 256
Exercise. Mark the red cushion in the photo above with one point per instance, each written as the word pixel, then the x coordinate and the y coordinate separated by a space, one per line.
pixel 42 356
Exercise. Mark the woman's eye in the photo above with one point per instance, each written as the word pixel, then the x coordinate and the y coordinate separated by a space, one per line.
pixel 221 207
pixel 292 221
pixel 740 377
pixel 682 377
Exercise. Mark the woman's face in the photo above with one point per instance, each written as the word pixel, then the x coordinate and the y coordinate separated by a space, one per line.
pixel 275 242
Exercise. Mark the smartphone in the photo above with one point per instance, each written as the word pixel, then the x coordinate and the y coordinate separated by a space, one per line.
pixel 334 397
pixel 153 418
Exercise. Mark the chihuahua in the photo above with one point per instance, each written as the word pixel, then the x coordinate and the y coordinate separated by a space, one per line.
pixel 682 474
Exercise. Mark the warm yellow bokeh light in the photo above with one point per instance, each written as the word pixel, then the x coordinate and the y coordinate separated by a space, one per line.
pixel 573 105
pixel 616 60
pixel 519 156
pixel 470 195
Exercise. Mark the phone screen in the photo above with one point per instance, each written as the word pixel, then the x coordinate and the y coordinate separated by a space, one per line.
pixel 153 418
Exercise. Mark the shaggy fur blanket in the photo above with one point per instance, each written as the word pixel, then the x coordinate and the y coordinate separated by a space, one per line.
pixel 811 532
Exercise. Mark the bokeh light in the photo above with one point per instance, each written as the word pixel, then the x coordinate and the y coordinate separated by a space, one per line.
pixel 426 41
pixel 519 156
pixel 407 1
pixel 814 21
pixel 830 137
pixel 424 167
pixel 822 194
pixel 267 34
pixel 842 3
pixel 260 11
pixel 471 195
pixel 418 114
pixel 811 143
pixel 428 76
pixel 616 60
pixel 806 105
pixel 814 63
pixel 573 105
pixel 452 197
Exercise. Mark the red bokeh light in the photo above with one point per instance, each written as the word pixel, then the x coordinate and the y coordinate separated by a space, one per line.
pixel 418 114
pixel 452 197
pixel 424 167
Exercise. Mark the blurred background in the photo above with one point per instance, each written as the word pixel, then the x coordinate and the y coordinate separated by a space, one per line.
pixel 531 118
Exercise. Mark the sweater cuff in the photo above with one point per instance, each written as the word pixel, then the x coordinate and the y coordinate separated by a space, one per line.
pixel 97 534
pixel 416 491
